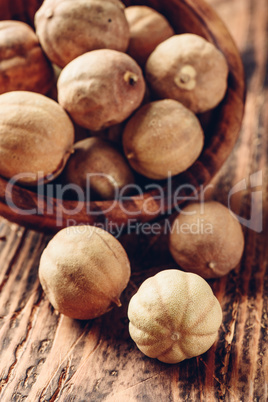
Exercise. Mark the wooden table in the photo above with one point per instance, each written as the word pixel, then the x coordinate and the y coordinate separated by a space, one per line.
pixel 48 357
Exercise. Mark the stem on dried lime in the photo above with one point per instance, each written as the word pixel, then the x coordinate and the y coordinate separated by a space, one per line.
pixel 186 77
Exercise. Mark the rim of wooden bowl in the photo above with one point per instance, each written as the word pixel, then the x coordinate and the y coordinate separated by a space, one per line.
pixel 195 16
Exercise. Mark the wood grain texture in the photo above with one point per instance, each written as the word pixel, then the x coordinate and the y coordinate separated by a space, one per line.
pixel 222 126
pixel 45 356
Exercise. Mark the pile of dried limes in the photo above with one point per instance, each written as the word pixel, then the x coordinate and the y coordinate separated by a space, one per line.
pixel 124 70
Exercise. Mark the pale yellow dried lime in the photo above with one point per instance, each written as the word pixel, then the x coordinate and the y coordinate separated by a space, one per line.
pixel 206 239
pixel 97 166
pixel 189 69
pixel 148 28
pixel 101 88
pixel 174 316
pixel 163 138
pixel 36 137
pixel 83 271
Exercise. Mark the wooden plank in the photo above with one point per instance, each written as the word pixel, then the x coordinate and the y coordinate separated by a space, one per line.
pixel 46 356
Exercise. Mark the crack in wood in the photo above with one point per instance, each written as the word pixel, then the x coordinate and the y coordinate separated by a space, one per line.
pixel 137 384
pixel 19 349
pixel 13 259
pixel 62 382
pixel 228 346
pixel 31 374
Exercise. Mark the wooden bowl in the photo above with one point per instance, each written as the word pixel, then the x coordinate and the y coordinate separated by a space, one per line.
pixel 46 213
